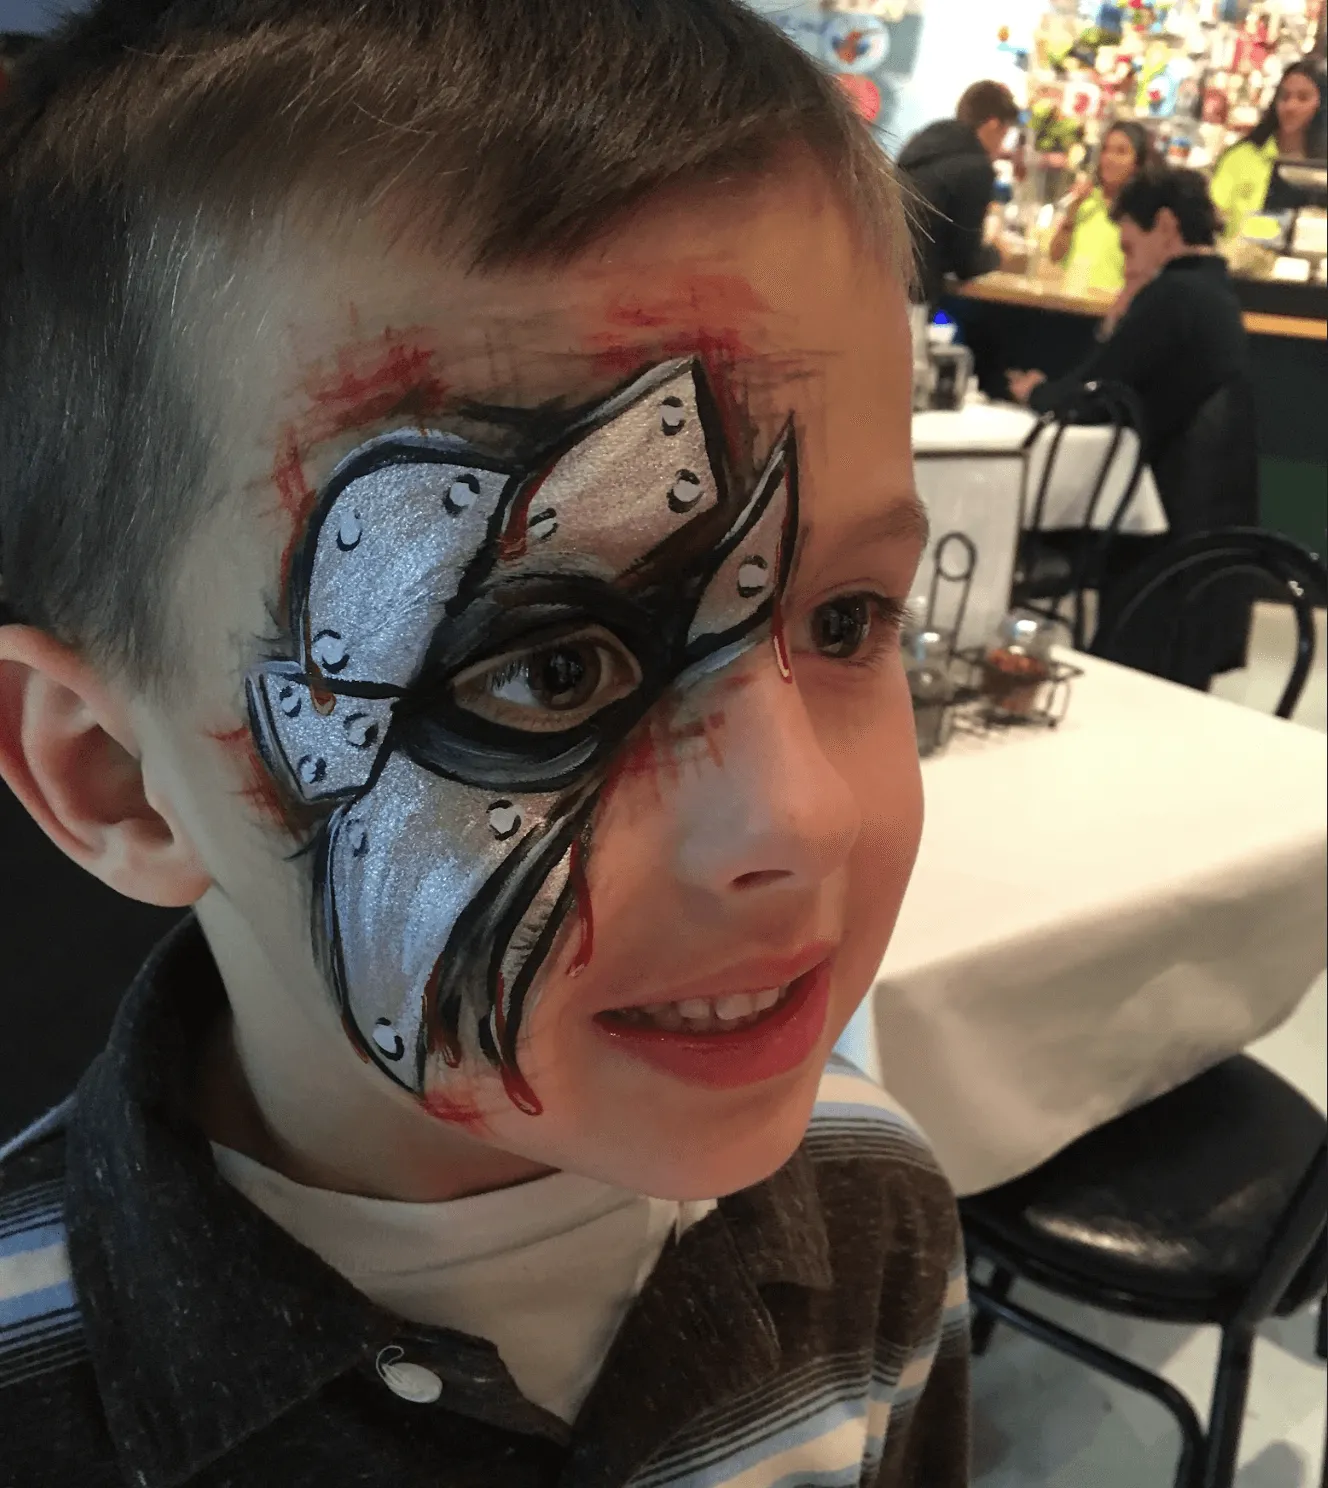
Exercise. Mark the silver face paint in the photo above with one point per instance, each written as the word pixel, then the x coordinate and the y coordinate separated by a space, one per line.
pixel 452 836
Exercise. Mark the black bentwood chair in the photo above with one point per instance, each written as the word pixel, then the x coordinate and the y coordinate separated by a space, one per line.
pixel 1206 1205
pixel 1053 566
pixel 1176 613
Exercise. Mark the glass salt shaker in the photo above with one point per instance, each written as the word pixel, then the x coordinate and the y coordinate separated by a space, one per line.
pixel 932 691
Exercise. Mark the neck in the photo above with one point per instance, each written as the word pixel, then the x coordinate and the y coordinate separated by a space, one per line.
pixel 1186 250
pixel 1291 144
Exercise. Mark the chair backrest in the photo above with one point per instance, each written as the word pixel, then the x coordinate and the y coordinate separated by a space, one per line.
pixel 1169 607
pixel 1110 404
pixel 1209 476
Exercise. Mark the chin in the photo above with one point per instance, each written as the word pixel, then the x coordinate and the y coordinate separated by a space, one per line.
pixel 748 1153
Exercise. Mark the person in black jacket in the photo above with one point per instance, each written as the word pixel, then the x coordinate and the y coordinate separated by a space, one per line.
pixel 1177 340
pixel 1178 336
pixel 949 164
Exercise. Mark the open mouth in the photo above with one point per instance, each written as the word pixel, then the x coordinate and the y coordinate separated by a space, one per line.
pixel 727 1041
pixel 727 1014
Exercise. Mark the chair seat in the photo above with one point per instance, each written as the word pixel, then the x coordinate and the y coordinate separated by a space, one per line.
pixel 1170 1207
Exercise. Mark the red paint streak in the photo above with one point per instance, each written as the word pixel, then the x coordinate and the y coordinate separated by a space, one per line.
pixel 229 738
pixel 444 1041
pixel 777 636
pixel 455 1112
pixel 390 376
pixel 702 315
pixel 512 544
pixel 514 1082
pixel 780 642
pixel 714 722
pixel 258 790
pixel 295 494
pixel 584 910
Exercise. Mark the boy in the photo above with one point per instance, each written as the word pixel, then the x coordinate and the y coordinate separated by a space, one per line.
pixel 458 508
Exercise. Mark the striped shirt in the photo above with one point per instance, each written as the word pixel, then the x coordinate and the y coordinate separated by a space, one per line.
pixel 158 1330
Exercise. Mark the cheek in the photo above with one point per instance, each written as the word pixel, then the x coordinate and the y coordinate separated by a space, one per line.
pixel 873 747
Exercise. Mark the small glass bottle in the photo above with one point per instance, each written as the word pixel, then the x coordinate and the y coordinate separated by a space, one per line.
pixel 932 691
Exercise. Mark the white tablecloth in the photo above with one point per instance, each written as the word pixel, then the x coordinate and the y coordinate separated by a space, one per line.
pixel 991 428
pixel 1098 913
pixel 970 471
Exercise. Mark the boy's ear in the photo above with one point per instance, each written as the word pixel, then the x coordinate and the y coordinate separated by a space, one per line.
pixel 68 752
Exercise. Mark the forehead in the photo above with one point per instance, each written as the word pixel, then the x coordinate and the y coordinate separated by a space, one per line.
pixel 333 342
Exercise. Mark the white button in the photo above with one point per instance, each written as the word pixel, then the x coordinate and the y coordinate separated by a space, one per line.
pixel 411 1382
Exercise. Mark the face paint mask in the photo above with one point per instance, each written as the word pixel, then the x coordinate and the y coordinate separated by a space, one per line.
pixel 473 642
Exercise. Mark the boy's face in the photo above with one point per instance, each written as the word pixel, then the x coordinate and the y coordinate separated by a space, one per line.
pixel 528 790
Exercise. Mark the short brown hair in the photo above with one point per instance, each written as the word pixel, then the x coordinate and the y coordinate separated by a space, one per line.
pixel 986 100
pixel 144 131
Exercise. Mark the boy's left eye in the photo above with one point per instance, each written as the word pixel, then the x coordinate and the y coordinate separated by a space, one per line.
pixel 844 628
pixel 552 687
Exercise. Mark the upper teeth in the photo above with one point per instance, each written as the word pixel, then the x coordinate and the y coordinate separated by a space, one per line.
pixel 695 1012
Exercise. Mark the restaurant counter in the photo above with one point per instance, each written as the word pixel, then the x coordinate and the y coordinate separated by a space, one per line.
pixel 1018 321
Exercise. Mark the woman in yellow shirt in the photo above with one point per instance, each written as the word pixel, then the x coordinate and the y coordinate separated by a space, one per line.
pixel 1293 125
pixel 1086 241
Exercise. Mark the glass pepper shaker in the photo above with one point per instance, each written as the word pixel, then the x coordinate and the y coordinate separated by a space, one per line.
pixel 932 691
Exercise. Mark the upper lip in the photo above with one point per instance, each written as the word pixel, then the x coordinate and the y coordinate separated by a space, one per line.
pixel 757 975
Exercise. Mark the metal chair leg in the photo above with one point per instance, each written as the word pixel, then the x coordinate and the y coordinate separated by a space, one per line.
pixel 1227 1417
pixel 1190 1463
pixel 984 1322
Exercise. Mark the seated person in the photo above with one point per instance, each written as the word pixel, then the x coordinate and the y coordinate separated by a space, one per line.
pixel 950 166
pixel 1294 126
pixel 1086 242
pixel 457 519
pixel 1177 340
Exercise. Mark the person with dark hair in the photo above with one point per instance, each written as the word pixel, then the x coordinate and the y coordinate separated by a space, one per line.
pixel 1180 345
pixel 950 166
pixel 1181 335
pixel 1086 241
pixel 456 520
pixel 1294 126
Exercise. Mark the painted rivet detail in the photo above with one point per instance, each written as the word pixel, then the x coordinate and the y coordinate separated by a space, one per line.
pixel 349 531
pixel 753 577
pixel 388 1040
pixel 462 494
pixel 685 491
pixel 312 770
pixel 330 652
pixel 672 416
pixel 544 524
pixel 361 730
pixel 504 820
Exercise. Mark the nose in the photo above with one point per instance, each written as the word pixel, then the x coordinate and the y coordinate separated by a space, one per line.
pixel 768 813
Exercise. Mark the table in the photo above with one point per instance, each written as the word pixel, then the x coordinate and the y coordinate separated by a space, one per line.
pixel 1002 288
pixel 1098 913
pixel 974 476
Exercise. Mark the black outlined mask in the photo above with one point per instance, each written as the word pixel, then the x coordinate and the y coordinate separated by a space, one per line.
pixel 475 641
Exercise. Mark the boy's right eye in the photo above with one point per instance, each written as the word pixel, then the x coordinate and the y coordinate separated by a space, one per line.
pixel 550 688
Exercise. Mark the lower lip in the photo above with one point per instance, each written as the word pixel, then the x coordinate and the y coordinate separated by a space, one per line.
pixel 725 1061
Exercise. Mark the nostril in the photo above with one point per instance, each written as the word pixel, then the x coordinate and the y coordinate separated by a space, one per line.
pixel 760 880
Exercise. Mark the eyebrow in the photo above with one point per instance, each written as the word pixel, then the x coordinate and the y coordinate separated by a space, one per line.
pixel 903 520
